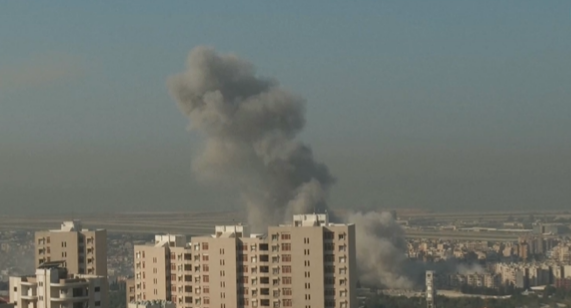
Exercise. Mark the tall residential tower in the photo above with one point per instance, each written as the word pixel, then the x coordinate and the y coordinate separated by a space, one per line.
pixel 83 251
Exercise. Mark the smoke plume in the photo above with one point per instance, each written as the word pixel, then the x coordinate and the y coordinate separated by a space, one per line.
pixel 381 249
pixel 250 125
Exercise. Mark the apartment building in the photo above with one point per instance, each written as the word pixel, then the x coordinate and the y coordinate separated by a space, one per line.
pixel 83 251
pixel 53 287
pixel 307 264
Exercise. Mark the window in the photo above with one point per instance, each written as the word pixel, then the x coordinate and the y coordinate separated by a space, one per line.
pixel 286 302
pixel 97 303
pixel 205 278
pixel 274 237
pixel 342 236
pixel 264 258
pixel 263 247
pixel 265 291
pixel 286 258
pixel 328 246
pixel 329 235
pixel 329 280
pixel 205 267
pixel 329 258
pixel 286 291
pixel 342 248
pixel 343 270
pixel 329 269
pixel 206 301
pixel 286 236
pixel 204 257
pixel 204 246
pixel 264 269
pixel 286 268
pixel 286 246
pixel 342 259
pixel 286 280
pixel 264 280
pixel 97 289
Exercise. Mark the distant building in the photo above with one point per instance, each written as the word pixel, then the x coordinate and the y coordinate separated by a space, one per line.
pixel 548 228
pixel 309 263
pixel 52 286
pixel 430 289
pixel 563 283
pixel 83 251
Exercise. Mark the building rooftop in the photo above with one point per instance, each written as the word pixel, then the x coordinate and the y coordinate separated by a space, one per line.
pixel 52 264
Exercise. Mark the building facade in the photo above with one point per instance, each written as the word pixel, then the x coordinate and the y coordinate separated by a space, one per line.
pixel 83 251
pixel 309 263
pixel 53 287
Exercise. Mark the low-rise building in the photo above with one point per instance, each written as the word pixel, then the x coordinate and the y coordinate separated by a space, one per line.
pixel 52 286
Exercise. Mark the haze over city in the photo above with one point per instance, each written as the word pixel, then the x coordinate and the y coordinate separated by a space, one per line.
pixel 439 105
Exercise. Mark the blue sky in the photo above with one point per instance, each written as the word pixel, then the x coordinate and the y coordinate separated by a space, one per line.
pixel 442 105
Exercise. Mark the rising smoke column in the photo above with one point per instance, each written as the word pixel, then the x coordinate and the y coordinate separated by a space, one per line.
pixel 250 125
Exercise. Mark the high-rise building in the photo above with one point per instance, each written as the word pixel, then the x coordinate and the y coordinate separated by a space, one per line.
pixel 430 289
pixel 53 287
pixel 83 251
pixel 309 263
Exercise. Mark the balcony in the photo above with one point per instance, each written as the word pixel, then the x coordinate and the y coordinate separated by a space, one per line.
pixel 83 298
pixel 29 296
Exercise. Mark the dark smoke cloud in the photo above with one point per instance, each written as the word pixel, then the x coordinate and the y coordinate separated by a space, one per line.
pixel 250 125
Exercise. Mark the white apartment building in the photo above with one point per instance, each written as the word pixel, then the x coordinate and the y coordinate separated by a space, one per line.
pixel 84 251
pixel 307 264
pixel 53 287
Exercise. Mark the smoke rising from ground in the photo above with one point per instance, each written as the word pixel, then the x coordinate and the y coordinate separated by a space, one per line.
pixel 250 125
pixel 381 249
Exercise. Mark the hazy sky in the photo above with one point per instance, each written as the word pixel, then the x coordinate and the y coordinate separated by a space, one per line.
pixel 443 105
